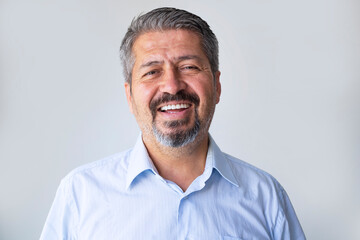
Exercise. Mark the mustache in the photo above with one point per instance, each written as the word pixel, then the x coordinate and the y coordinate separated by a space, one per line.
pixel 179 96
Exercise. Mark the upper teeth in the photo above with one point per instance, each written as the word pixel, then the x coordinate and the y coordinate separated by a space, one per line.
pixel 174 106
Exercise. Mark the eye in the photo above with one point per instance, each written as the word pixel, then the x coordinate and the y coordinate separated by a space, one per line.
pixel 150 73
pixel 190 67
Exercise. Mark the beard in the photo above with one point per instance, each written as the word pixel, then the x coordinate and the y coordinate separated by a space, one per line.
pixel 176 138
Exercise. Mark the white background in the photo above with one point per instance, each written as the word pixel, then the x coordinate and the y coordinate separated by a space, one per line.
pixel 289 105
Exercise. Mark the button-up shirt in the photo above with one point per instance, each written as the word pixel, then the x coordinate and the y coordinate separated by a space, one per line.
pixel 124 197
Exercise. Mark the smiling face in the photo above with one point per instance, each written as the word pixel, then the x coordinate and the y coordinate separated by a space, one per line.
pixel 173 93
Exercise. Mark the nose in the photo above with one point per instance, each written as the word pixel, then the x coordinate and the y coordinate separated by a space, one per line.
pixel 171 82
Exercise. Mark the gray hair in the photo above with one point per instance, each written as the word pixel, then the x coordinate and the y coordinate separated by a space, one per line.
pixel 165 19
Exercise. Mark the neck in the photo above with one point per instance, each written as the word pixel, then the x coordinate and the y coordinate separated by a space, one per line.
pixel 179 165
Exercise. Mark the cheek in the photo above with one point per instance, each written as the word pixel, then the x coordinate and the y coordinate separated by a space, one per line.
pixel 203 89
pixel 144 95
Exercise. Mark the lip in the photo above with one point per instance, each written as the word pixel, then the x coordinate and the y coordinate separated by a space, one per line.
pixel 176 114
pixel 174 103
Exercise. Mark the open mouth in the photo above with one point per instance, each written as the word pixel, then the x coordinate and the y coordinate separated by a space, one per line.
pixel 174 107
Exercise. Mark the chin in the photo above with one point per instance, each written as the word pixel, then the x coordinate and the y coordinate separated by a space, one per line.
pixel 177 138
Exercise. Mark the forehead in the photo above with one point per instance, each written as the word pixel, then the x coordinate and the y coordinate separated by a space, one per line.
pixel 167 42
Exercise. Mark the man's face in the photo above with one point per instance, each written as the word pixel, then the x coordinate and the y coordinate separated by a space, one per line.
pixel 173 93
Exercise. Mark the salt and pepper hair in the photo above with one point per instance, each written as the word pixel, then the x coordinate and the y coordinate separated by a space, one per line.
pixel 161 19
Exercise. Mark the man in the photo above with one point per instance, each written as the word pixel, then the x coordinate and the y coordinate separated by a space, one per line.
pixel 175 183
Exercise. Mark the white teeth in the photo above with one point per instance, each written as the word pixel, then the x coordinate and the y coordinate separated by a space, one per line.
pixel 174 106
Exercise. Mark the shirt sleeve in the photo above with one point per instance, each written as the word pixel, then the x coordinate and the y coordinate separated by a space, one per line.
pixel 287 225
pixel 60 222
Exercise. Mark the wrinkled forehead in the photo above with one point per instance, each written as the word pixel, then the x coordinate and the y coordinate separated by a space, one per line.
pixel 166 39
pixel 169 43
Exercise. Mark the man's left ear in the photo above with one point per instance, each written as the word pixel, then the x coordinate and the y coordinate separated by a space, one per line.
pixel 218 86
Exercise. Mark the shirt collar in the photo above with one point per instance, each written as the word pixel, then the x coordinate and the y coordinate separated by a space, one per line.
pixel 139 161
pixel 220 162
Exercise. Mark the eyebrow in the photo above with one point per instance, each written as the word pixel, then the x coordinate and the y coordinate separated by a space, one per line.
pixel 178 59
pixel 150 63
pixel 187 57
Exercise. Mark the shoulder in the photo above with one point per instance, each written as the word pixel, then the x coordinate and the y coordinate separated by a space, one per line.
pixel 243 169
pixel 256 182
pixel 104 168
pixel 248 178
pixel 264 194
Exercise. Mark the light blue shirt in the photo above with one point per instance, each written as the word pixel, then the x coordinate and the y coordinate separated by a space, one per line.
pixel 124 197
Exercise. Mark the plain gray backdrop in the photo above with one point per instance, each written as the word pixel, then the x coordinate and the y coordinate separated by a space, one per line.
pixel 289 105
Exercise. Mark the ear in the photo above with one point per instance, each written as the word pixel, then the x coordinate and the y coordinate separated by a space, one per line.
pixel 128 96
pixel 218 86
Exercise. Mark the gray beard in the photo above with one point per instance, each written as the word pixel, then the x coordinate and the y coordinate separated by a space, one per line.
pixel 177 139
